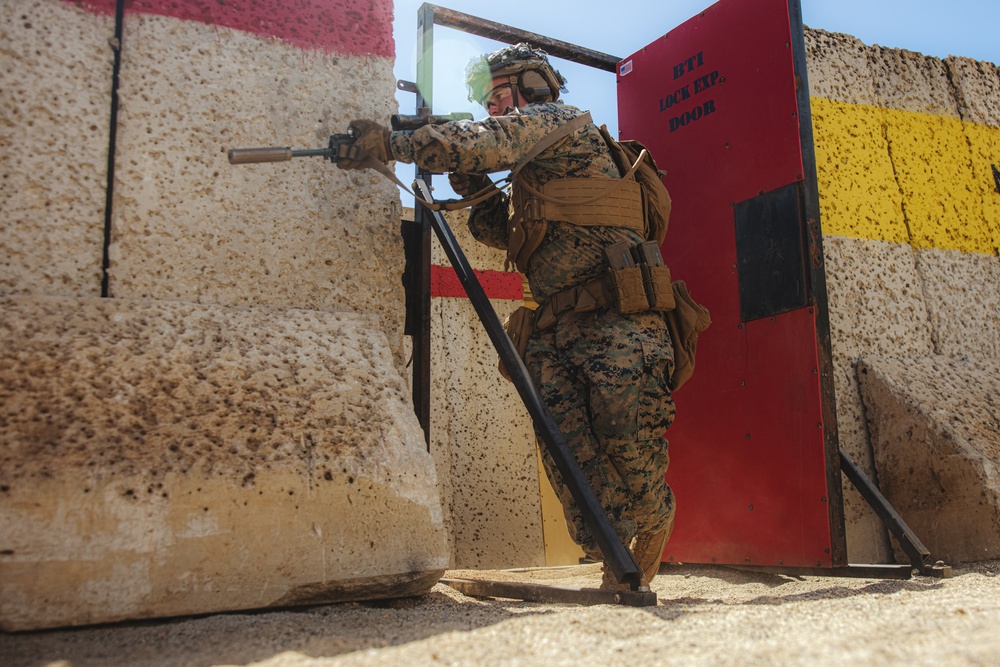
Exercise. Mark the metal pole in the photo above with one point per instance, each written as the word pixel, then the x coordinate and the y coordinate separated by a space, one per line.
pixel 422 288
pixel 474 25
pixel 817 279
pixel 915 550
pixel 116 45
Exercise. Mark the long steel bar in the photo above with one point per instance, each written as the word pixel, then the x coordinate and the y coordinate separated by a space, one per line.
pixel 116 45
pixel 616 556
pixel 856 571
pixel 550 594
pixel 912 546
pixel 450 18
pixel 817 279
pixel 421 290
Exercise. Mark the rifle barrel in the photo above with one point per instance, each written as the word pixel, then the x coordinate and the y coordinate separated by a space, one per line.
pixel 312 152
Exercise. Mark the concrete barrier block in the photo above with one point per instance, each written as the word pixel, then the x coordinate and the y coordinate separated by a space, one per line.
pixel 935 425
pixel 876 307
pixel 934 172
pixel 482 438
pixel 867 540
pixel 163 458
pixel 55 99
pixel 859 195
pixel 838 68
pixel 977 86
pixel 190 226
pixel 908 81
pixel 481 256
pixel 875 298
pixel 962 293
pixel 477 415
pixel 984 147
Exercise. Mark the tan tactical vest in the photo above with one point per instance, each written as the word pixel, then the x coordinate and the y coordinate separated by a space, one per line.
pixel 587 202
pixel 638 200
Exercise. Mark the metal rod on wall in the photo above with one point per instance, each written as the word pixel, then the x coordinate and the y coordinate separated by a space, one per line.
pixel 422 288
pixel 116 45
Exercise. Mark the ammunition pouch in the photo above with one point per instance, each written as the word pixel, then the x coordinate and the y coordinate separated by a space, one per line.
pixel 631 289
pixel 627 289
pixel 638 278
pixel 656 280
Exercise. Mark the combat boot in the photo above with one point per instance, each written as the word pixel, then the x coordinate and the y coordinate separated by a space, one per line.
pixel 648 551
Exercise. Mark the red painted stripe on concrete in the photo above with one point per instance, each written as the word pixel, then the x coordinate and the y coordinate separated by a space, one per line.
pixel 496 284
pixel 347 27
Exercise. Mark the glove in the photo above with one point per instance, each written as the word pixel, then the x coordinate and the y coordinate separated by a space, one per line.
pixel 372 141
pixel 468 184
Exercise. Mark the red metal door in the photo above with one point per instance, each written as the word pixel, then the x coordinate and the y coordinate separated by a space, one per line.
pixel 720 101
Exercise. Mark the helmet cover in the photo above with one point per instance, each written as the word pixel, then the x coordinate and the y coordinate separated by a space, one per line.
pixel 510 60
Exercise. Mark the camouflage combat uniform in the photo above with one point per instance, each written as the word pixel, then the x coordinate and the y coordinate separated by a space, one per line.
pixel 602 375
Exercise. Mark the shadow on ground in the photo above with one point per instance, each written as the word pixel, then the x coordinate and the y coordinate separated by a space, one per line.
pixel 247 637
pixel 242 638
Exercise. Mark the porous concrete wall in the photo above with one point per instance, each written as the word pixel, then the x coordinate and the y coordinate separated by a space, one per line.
pixel 481 435
pixel 197 79
pixel 165 458
pixel 55 86
pixel 214 436
pixel 188 225
pixel 935 424
pixel 910 222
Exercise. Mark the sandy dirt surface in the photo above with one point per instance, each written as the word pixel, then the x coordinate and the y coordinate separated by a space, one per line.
pixel 704 616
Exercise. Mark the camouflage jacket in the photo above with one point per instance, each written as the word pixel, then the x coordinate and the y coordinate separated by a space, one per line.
pixel 569 254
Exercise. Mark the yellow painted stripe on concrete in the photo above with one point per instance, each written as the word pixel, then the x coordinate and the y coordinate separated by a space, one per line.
pixel 858 193
pixel 984 143
pixel 906 177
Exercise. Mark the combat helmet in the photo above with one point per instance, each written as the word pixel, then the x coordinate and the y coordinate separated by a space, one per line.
pixel 532 77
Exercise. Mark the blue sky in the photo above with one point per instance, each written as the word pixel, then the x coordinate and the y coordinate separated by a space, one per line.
pixel 937 28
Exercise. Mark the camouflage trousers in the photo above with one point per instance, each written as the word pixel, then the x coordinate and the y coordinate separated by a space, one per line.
pixel 603 376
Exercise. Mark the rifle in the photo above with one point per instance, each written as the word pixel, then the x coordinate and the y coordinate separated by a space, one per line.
pixel 339 146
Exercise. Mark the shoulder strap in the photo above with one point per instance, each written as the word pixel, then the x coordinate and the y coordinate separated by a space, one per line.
pixel 552 137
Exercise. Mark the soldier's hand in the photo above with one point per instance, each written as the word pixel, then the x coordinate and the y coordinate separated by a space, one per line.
pixel 371 140
pixel 467 184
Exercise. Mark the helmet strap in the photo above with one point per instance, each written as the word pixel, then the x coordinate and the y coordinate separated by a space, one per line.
pixel 515 87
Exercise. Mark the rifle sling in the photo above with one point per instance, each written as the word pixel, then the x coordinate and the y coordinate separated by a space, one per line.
pixel 546 142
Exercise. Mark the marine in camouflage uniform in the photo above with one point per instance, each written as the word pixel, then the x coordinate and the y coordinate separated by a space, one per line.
pixel 602 375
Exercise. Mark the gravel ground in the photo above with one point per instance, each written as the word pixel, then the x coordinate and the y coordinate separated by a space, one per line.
pixel 705 616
